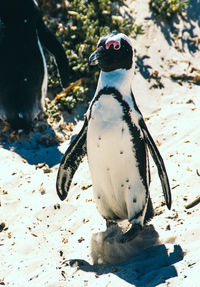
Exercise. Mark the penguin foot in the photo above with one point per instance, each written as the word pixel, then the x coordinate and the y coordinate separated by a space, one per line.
pixel 110 223
pixel 130 234
pixel 110 236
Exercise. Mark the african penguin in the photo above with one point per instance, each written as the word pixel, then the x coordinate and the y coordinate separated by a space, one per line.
pixel 23 71
pixel 116 140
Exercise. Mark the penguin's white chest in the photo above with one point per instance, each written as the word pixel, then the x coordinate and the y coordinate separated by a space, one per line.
pixel 118 188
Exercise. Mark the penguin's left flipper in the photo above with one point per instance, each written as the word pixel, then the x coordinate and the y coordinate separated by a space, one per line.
pixel 159 163
pixel 70 162
pixel 53 45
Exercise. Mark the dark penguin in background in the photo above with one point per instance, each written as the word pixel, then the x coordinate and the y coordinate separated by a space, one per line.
pixel 116 140
pixel 23 71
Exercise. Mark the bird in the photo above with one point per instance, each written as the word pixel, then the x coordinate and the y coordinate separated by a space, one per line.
pixel 117 142
pixel 23 69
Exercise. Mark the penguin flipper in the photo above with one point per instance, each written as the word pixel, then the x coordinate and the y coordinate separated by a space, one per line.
pixel 159 163
pixel 52 44
pixel 70 162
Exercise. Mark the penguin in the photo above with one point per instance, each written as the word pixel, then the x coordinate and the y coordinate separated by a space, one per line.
pixel 23 69
pixel 117 142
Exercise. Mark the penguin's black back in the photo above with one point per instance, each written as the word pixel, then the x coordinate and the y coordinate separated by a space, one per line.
pixel 22 67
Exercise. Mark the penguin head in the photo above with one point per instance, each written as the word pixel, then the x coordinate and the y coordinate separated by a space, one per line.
pixel 114 51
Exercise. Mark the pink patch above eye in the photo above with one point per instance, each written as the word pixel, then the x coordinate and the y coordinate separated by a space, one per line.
pixel 116 45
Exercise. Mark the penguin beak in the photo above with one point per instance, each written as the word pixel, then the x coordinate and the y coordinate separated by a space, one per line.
pixel 94 57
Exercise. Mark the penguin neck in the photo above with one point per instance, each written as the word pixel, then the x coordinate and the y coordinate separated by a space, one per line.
pixel 120 79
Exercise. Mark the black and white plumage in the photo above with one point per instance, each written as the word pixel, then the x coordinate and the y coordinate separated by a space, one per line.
pixel 116 140
pixel 23 71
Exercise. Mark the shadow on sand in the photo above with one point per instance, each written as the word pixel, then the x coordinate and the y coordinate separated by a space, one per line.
pixel 142 260
pixel 41 144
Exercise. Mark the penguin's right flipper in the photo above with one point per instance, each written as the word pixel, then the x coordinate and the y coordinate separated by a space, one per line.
pixel 159 163
pixel 70 162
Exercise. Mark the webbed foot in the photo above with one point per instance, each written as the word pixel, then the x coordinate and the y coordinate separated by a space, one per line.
pixel 130 234
pixel 110 223
pixel 111 235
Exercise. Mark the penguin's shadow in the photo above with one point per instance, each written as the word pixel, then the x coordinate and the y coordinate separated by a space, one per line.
pixel 38 146
pixel 142 262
